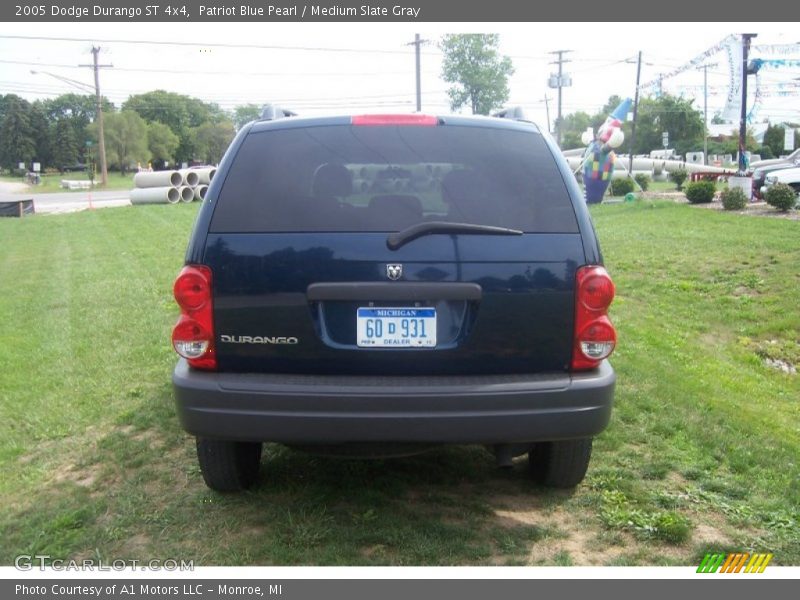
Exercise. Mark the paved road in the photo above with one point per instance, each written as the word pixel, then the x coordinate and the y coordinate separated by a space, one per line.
pixel 61 202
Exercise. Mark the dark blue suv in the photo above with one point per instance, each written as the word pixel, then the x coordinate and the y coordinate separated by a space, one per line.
pixel 379 284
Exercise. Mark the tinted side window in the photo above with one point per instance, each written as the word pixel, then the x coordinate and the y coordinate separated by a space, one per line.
pixel 351 178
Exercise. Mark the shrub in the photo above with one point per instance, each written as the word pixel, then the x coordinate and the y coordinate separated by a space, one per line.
pixel 733 199
pixel 643 180
pixel 766 152
pixel 700 192
pixel 620 187
pixel 678 177
pixel 781 196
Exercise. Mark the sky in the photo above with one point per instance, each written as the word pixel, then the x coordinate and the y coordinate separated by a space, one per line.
pixel 329 68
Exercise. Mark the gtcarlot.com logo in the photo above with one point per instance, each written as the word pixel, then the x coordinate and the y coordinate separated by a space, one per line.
pixel 735 562
pixel 27 562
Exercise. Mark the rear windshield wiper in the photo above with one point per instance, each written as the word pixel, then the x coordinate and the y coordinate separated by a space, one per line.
pixel 400 238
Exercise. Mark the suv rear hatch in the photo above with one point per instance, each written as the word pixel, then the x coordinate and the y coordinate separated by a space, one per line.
pixel 376 247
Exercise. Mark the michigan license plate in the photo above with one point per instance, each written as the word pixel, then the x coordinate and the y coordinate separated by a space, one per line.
pixel 396 327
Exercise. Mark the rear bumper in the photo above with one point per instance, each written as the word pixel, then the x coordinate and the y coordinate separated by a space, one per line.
pixel 447 409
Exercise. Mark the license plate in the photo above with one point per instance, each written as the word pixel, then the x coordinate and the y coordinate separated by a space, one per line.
pixel 396 327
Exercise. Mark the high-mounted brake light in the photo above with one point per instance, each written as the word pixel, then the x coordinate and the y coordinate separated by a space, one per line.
pixel 412 119
pixel 594 335
pixel 193 334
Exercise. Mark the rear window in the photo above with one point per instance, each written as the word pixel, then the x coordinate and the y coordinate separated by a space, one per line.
pixel 381 179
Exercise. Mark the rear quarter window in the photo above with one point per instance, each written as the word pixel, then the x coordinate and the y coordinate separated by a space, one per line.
pixel 378 179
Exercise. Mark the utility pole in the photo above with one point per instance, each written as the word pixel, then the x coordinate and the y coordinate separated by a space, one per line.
pixel 705 111
pixel 635 111
pixel 101 142
pixel 705 115
pixel 559 81
pixel 746 37
pixel 547 112
pixel 418 43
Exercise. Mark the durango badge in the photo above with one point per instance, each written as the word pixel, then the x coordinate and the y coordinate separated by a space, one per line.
pixel 394 272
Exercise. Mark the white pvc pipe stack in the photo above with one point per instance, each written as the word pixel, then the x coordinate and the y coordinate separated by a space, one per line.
pixel 157 179
pixel 656 166
pixel 200 192
pixel 155 195
pixel 190 177
pixel 186 193
pixel 205 174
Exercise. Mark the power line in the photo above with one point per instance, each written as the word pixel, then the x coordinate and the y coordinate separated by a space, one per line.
pixel 209 44
pixel 225 73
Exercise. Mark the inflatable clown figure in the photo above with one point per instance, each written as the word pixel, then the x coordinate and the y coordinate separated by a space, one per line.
pixel 598 159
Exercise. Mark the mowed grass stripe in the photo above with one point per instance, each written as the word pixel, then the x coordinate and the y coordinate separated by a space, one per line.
pixel 101 277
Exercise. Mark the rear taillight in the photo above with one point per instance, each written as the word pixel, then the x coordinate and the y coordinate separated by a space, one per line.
pixel 410 119
pixel 193 334
pixel 594 336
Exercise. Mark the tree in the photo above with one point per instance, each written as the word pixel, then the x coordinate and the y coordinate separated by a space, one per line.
pixel 80 110
pixel 211 141
pixel 572 127
pixel 576 123
pixel 16 132
pixel 42 134
pixel 480 74
pixel 65 148
pixel 671 114
pixel 162 142
pixel 180 113
pixel 244 114
pixel 730 144
pixel 126 138
pixel 774 138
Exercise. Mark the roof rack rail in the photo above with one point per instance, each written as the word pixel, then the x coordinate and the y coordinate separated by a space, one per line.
pixel 271 112
pixel 512 112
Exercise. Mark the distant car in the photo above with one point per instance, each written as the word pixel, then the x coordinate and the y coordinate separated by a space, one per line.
pixel 77 167
pixel 760 176
pixel 376 285
pixel 790 177
pixel 794 157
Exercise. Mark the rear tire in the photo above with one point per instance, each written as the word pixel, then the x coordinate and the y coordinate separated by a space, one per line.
pixel 560 464
pixel 228 466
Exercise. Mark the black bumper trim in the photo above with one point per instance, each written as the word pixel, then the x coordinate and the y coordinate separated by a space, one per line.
pixel 325 409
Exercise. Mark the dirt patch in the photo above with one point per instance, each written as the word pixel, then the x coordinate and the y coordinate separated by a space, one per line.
pixel 754 209
pixel 566 532
pixel 714 339
pixel 780 354
pixel 82 476
pixel 10 187
pixel 707 533
pixel 675 196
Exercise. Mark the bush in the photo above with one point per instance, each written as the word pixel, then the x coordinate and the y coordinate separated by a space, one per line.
pixel 643 180
pixel 678 177
pixel 620 187
pixel 733 199
pixel 700 192
pixel 766 153
pixel 781 196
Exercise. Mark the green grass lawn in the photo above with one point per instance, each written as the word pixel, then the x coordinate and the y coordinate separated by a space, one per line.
pixel 52 182
pixel 702 453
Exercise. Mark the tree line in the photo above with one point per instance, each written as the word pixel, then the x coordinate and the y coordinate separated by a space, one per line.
pixel 678 117
pixel 158 127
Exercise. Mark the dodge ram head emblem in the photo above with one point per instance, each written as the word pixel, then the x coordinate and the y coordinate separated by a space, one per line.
pixel 394 272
